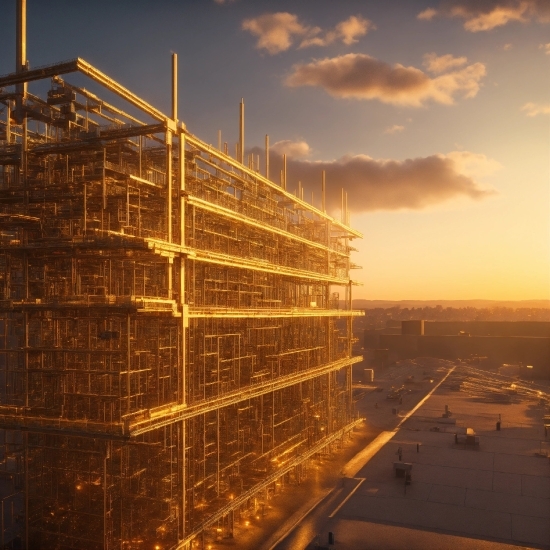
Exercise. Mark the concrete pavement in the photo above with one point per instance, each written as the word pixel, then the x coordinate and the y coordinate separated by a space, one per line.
pixel 493 497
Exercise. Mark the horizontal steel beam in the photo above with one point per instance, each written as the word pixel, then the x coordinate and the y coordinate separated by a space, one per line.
pixel 183 412
pixel 231 214
pixel 265 267
pixel 101 78
pixel 39 73
pixel 11 419
pixel 79 65
pixel 96 141
pixel 201 145
pixel 269 313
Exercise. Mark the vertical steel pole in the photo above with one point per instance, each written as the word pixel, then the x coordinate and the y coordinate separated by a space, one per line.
pixel 8 122
pixel 174 87
pixel 184 321
pixel 21 42
pixel 169 168
pixel 128 360
pixel 323 193
pixel 284 172
pixel 266 157
pixel 20 57
pixel 169 174
pixel 104 182
pixel 140 155
pixel 241 132
pixel 21 37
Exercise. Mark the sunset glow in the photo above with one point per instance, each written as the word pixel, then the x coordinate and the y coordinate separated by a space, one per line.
pixel 433 116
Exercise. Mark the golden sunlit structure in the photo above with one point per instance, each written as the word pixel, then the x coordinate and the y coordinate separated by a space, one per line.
pixel 171 345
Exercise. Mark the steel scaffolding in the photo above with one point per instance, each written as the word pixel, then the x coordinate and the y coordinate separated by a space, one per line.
pixel 171 344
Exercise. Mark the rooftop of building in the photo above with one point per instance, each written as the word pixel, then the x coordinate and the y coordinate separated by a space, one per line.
pixel 493 495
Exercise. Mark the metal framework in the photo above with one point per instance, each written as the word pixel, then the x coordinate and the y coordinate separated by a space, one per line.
pixel 170 342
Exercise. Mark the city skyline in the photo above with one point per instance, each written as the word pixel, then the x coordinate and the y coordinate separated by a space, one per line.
pixel 433 116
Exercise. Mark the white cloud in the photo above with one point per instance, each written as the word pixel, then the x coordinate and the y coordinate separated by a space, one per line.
pixel 395 129
pixel 292 149
pixel 439 64
pixel 360 76
pixel 486 15
pixel 276 32
pixel 385 184
pixel 545 47
pixel 534 109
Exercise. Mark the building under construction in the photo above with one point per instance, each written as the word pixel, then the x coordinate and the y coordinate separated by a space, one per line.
pixel 171 342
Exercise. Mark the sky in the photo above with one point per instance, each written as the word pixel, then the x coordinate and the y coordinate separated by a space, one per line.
pixel 433 115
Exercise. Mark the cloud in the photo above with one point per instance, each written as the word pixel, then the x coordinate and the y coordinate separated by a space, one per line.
pixel 435 64
pixel 292 149
pixel 485 15
pixel 534 109
pixel 353 27
pixel 473 165
pixel 395 129
pixel 507 47
pixel 427 15
pixel 276 32
pixel 360 76
pixel 379 184
pixel 313 40
pixel 545 47
pixel 347 31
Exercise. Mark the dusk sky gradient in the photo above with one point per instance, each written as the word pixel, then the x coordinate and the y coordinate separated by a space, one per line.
pixel 434 116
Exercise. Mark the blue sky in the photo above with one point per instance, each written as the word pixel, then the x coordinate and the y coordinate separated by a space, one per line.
pixel 434 116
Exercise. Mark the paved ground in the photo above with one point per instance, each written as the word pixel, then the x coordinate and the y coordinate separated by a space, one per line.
pixel 321 488
pixel 493 497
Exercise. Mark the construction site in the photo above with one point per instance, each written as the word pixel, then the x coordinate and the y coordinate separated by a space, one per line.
pixel 175 326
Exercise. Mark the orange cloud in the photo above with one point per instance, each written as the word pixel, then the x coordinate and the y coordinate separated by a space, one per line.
pixel 439 64
pixel 292 149
pixel 360 76
pixel 380 184
pixel 353 27
pixel 276 32
pixel 545 47
pixel 427 15
pixel 534 109
pixel 488 14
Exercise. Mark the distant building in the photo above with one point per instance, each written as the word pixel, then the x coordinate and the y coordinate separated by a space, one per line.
pixel 498 341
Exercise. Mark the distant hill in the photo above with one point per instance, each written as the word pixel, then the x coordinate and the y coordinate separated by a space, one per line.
pixel 371 304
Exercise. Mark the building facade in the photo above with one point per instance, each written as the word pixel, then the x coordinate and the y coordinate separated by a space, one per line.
pixel 171 343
